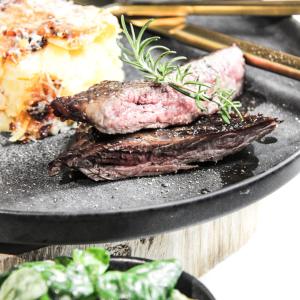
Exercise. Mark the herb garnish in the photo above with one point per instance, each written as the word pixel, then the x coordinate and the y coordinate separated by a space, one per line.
pixel 164 70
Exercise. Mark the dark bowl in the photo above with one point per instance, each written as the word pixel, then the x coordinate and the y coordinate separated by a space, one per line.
pixel 187 284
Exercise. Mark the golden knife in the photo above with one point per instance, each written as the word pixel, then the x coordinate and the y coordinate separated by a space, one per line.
pixel 200 37
pixel 258 8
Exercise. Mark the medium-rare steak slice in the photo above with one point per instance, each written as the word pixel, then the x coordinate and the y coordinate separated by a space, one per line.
pixel 160 151
pixel 122 107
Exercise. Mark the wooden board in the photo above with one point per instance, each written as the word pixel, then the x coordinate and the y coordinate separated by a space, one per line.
pixel 199 248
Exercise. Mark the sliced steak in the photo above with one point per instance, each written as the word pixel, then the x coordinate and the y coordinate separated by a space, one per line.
pixel 122 107
pixel 152 152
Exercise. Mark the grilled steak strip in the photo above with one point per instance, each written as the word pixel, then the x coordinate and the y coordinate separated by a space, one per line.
pixel 123 107
pixel 161 151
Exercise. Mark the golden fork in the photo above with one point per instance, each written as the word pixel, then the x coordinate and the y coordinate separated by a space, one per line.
pixel 200 37
pixel 237 7
pixel 171 21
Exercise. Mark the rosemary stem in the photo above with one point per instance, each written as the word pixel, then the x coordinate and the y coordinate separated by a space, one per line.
pixel 157 70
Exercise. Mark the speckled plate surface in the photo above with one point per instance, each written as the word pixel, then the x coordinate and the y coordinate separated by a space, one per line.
pixel 37 209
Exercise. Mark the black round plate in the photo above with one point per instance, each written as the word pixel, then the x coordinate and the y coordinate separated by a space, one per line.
pixel 187 284
pixel 37 209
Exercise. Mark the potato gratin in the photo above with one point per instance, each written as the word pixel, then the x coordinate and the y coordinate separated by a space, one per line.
pixel 51 48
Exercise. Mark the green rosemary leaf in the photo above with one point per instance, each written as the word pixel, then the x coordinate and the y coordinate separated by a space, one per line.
pixel 147 42
pixel 237 103
pixel 225 116
pixel 175 59
pixel 141 33
pixel 178 74
pixel 132 32
pixel 160 57
pixel 126 33
pixel 156 47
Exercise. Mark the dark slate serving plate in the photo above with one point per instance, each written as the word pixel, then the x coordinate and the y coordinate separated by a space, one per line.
pixel 187 284
pixel 37 209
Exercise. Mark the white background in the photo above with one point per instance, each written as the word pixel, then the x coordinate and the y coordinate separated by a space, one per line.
pixel 268 266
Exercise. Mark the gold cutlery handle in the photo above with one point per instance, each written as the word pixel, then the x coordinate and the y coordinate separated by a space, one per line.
pixel 256 55
pixel 258 8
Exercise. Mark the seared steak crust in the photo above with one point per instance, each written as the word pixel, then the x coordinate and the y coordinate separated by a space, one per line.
pixel 161 151
pixel 123 107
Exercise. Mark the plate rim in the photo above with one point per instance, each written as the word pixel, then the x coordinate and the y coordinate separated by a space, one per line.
pixel 228 189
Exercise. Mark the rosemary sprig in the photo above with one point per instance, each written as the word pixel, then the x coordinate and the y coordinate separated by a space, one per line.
pixel 164 69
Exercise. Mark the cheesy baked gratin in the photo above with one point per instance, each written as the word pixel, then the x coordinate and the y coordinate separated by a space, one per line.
pixel 51 48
